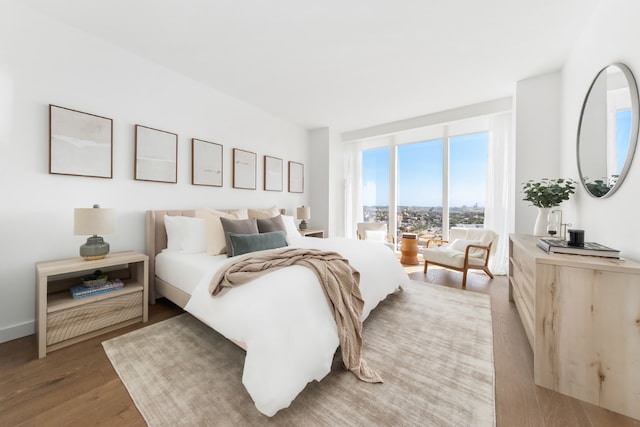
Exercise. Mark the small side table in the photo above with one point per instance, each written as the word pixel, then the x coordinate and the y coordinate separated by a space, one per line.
pixel 409 249
pixel 63 320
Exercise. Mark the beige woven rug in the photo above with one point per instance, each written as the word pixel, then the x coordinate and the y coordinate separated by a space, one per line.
pixel 432 345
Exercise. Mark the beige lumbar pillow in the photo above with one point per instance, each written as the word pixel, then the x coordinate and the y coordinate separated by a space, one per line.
pixel 238 213
pixel 264 213
pixel 216 242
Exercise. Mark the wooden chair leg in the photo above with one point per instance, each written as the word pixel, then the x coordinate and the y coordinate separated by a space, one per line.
pixel 486 270
pixel 425 267
pixel 464 278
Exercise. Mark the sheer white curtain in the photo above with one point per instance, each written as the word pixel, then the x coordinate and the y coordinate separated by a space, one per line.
pixel 352 187
pixel 499 214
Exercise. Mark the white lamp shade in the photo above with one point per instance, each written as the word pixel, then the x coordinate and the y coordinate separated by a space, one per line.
pixel 303 212
pixel 94 221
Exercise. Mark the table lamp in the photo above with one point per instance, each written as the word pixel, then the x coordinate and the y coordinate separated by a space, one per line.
pixel 303 214
pixel 91 222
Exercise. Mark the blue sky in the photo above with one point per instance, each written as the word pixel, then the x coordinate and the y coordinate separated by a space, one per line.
pixel 420 173
pixel 623 133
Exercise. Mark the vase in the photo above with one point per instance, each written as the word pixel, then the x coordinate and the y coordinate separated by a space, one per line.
pixel 540 227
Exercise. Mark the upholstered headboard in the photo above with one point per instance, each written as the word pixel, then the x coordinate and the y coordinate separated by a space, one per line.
pixel 156 241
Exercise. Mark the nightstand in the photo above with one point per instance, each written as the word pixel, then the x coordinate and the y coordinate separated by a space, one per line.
pixel 312 233
pixel 63 320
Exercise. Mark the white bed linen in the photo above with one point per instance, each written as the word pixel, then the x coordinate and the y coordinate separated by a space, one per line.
pixel 184 270
pixel 285 322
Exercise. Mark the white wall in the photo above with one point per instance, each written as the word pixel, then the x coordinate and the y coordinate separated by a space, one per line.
pixel 319 140
pixel 327 192
pixel 537 129
pixel 611 36
pixel 43 62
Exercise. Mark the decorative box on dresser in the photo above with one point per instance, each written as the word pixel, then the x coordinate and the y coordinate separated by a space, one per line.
pixel 63 320
pixel 581 315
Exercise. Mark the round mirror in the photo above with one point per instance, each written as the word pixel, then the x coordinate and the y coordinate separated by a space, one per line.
pixel 608 130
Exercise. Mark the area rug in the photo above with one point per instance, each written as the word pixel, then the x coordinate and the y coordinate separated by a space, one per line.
pixel 432 345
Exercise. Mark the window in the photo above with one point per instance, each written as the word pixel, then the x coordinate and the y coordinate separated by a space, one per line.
pixel 375 182
pixel 440 183
pixel 467 179
pixel 419 189
pixel 623 133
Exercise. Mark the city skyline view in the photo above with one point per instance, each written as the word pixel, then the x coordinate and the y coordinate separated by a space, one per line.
pixel 419 185
pixel 420 173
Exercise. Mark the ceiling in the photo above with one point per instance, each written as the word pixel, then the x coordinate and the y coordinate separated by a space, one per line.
pixel 346 64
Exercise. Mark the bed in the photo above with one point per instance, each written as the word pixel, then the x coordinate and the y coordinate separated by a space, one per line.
pixel 282 319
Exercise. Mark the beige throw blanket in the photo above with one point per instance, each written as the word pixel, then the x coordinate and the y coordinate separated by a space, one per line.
pixel 340 283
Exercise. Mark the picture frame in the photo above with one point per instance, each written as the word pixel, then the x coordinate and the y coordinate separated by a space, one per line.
pixel 272 173
pixel 296 177
pixel 206 163
pixel 80 143
pixel 156 155
pixel 244 169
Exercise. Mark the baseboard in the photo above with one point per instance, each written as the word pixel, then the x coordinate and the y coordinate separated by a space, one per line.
pixel 17 331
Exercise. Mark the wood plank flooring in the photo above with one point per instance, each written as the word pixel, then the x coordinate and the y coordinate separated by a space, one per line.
pixel 77 386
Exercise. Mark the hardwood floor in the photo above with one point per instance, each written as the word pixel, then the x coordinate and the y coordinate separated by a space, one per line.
pixel 77 386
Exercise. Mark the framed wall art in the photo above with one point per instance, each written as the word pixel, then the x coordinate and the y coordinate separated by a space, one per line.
pixel 206 163
pixel 156 156
pixel 244 169
pixel 272 173
pixel 80 143
pixel 296 177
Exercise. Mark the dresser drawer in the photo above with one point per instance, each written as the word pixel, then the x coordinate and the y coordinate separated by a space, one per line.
pixel 525 316
pixel 525 286
pixel 524 260
pixel 69 323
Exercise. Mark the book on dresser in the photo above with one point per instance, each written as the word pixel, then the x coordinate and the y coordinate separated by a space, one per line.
pixel 589 248
pixel 81 291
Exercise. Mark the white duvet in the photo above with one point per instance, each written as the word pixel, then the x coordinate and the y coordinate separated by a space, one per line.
pixel 285 323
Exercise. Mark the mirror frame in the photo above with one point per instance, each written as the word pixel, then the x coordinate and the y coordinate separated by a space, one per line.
pixel 633 135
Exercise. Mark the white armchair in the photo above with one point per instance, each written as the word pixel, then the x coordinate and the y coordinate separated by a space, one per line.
pixel 376 231
pixel 467 248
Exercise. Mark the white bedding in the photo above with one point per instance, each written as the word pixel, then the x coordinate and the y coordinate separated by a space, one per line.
pixel 285 322
pixel 184 270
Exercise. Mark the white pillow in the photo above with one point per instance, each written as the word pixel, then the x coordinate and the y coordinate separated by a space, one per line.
pixel 216 243
pixel 173 227
pixel 377 235
pixel 194 235
pixel 290 227
pixel 185 234
pixel 461 245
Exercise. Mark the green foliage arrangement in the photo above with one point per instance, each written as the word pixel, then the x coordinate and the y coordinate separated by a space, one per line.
pixel 548 193
pixel 598 187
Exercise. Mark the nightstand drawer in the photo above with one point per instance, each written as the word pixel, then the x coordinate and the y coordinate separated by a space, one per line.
pixel 70 323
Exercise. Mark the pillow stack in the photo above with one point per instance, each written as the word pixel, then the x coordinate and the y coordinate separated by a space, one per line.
pixel 250 235
pixel 233 232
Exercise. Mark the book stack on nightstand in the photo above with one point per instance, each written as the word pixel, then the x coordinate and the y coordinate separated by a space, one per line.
pixel 81 291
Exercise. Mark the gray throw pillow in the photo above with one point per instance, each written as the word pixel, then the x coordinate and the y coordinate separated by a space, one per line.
pixel 237 226
pixel 246 243
pixel 271 224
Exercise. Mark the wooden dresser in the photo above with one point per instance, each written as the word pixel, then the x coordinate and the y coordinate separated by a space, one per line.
pixel 582 317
